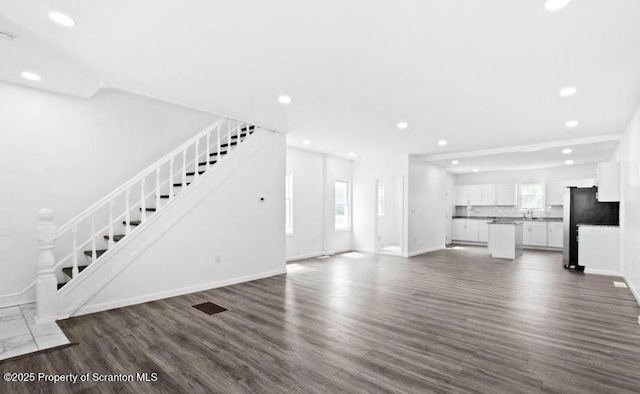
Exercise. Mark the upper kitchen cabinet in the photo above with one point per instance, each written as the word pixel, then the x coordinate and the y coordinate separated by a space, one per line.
pixel 609 182
pixel 506 194
pixel 489 195
pixel 475 195
pixel 462 195
pixel 555 192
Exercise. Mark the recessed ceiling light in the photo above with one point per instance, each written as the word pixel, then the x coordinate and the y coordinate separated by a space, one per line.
pixel 454 162
pixel 403 125
pixel 568 162
pixel 572 123
pixel 306 142
pixel 351 154
pixel 555 5
pixel 62 19
pixel 6 37
pixel 284 99
pixel 568 91
pixel 442 142
pixel 476 170
pixel 31 76
pixel 566 151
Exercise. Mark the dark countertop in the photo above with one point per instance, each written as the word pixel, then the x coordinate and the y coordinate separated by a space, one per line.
pixel 520 219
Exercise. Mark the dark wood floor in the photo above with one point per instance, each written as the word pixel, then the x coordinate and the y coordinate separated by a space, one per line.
pixel 454 321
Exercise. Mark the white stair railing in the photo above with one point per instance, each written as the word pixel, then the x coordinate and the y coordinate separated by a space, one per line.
pixel 98 223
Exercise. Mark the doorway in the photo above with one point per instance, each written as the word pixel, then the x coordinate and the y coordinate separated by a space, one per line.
pixel 389 198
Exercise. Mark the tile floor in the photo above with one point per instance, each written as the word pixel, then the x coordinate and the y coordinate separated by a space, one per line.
pixel 19 333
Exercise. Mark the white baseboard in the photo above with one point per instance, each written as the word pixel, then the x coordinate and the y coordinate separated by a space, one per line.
pixel 304 257
pixel 634 291
pixel 423 251
pixel 26 296
pixel 172 293
pixel 601 272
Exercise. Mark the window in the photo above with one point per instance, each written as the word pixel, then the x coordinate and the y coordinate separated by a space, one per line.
pixel 288 198
pixel 380 199
pixel 532 196
pixel 342 205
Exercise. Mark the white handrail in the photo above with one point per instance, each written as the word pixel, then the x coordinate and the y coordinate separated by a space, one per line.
pixel 87 212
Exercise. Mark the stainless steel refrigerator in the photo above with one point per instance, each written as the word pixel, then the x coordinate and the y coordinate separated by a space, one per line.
pixel 581 206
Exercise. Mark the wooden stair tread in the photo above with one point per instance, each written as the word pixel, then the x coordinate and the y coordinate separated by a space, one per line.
pixel 99 252
pixel 192 173
pixel 132 222
pixel 116 237
pixel 180 184
pixel 148 209
pixel 204 163
pixel 69 270
pixel 222 152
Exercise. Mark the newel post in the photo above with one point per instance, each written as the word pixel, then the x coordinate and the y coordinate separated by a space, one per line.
pixel 46 282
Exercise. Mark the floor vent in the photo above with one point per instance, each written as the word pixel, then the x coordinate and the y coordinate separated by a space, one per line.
pixel 210 308
pixel 620 284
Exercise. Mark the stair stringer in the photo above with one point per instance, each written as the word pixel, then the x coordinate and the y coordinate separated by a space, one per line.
pixel 99 274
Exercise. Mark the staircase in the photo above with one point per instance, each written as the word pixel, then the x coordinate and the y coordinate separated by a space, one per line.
pixel 93 236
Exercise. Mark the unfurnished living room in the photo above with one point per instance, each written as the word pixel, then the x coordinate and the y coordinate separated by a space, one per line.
pixel 278 196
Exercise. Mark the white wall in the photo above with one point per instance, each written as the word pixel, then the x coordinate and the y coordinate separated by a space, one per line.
pixel 366 172
pixel 307 171
pixel 427 207
pixel 629 157
pixel 65 154
pixel 314 176
pixel 450 205
pixel 563 173
pixel 390 223
pixel 248 236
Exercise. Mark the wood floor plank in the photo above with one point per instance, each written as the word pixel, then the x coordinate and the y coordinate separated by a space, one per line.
pixel 452 321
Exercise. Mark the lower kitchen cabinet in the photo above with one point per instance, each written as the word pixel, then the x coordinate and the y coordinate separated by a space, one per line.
pixel 535 234
pixel 483 231
pixel 465 230
pixel 555 234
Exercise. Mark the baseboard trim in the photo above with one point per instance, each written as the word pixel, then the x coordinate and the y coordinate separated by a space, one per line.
pixel 303 257
pixel 173 293
pixel 423 251
pixel 26 296
pixel 634 291
pixel 601 272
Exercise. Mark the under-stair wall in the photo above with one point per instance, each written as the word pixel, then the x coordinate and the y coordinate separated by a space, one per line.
pixel 219 234
pixel 65 154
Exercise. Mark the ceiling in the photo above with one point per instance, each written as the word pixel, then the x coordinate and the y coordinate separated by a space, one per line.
pixel 479 74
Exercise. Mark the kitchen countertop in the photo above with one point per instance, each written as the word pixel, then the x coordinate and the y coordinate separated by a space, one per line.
pixel 519 219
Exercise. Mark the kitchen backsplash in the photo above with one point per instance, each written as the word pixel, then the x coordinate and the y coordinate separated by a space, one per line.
pixel 549 212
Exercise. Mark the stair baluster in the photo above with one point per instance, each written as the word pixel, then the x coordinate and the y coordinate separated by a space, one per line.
pixel 94 254
pixel 171 178
pixel 111 243
pixel 219 157
pixel 143 202
pixel 184 168
pixel 74 259
pixel 158 189
pixel 127 214
pixel 208 150
pixel 195 161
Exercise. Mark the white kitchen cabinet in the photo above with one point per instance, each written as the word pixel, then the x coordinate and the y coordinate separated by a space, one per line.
pixel 506 194
pixel 555 232
pixel 609 181
pixel 475 195
pixel 472 230
pixel 465 230
pixel 483 231
pixel 555 192
pixel 462 195
pixel 489 194
pixel 458 229
pixel 535 234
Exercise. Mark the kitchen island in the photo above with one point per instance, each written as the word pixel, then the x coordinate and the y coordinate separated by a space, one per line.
pixel 505 239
